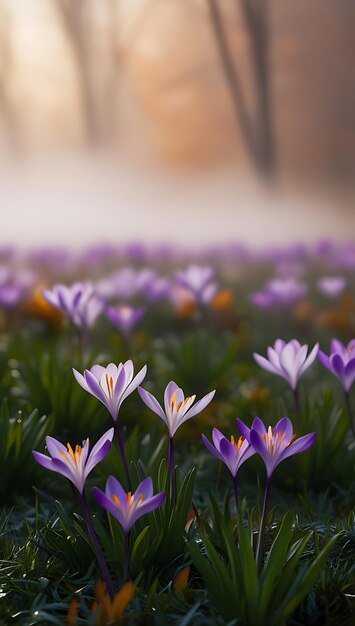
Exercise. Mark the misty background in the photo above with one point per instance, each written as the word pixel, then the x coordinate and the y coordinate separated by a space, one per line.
pixel 186 121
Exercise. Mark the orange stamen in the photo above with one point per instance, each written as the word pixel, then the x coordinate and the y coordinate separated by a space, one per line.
pixel 116 500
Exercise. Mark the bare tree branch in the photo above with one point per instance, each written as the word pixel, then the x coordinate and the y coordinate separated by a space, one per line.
pixel 232 76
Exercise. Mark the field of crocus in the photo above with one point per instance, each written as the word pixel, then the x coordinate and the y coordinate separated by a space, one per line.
pixel 177 436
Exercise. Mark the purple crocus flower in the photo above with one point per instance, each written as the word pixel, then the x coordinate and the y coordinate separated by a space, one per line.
pixel 262 299
pixel 286 290
pixel 332 286
pixel 78 302
pixel 128 507
pixel 232 453
pixel 124 316
pixel 198 280
pixel 75 464
pixel 288 360
pixel 178 409
pixel 341 362
pixel 112 384
pixel 274 445
pixel 277 443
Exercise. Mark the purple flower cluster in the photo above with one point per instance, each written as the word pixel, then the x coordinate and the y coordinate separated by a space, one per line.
pixel 79 303
pixel 279 292
pixel 289 360
pixel 341 362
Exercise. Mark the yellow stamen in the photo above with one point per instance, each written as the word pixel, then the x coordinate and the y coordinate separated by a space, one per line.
pixel 240 441
pixel 70 450
pixel 232 440
pixel 116 500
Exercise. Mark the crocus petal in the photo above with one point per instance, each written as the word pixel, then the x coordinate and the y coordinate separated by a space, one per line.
pixel 43 460
pixel 135 382
pixel 81 380
pixel 309 360
pixel 349 374
pixel 229 455
pixel 107 503
pixel 243 429
pixel 216 437
pixel 284 426
pixel 199 406
pixel 279 345
pixel 95 388
pixel 170 389
pixel 114 487
pixel 96 457
pixel 324 359
pixel 152 403
pixel 259 446
pixel 148 506
pixel 265 364
pixel 54 447
pixel 288 364
pixel 337 364
pixel 211 448
pixel 97 371
pixel 258 425
pixel 145 488
pixel 68 472
pixel 299 445
pixel 336 346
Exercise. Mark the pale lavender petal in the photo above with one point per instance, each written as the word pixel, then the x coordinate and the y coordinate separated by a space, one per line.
pixel 216 437
pixel 265 364
pixel 135 383
pixel 279 345
pixel 199 406
pixel 170 389
pixel 81 380
pixel 95 388
pixel 152 403
pixel 309 360
pixel 129 369
pixel 68 472
pixel 54 446
pixel 97 371
pixel 99 451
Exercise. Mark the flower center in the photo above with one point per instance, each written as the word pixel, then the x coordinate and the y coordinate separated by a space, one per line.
pixel 75 456
pixel 130 500
pixel 275 441
pixel 238 444
pixel 109 384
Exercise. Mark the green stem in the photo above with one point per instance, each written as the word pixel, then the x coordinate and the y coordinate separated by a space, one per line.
pixel 97 548
pixel 261 535
pixel 350 413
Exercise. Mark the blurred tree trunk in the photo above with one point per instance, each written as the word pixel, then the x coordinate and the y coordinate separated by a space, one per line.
pixel 73 14
pixel 257 131
pixel 7 111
